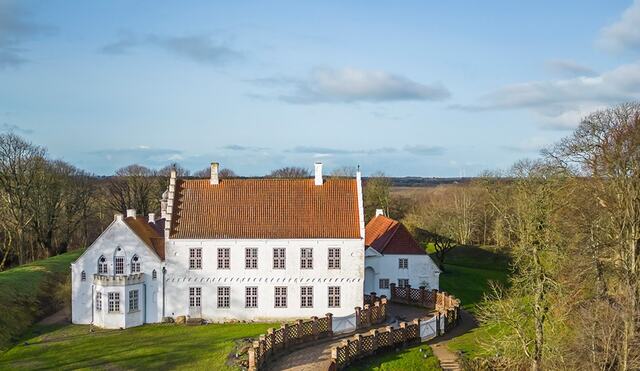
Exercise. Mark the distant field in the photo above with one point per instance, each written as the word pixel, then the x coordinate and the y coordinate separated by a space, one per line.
pixel 26 294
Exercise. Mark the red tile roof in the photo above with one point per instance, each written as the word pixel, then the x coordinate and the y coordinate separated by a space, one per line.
pixel 149 233
pixel 388 236
pixel 266 208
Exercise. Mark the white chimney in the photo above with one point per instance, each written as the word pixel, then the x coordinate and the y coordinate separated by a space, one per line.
pixel 318 173
pixel 152 217
pixel 131 213
pixel 379 212
pixel 214 173
pixel 117 217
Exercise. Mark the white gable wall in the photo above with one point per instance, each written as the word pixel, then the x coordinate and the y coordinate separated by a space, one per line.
pixel 118 234
pixel 421 271
pixel 350 278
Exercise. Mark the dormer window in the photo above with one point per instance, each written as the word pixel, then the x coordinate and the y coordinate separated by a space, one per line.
pixel 102 265
pixel 135 264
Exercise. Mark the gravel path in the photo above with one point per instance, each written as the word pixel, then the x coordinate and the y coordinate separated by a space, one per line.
pixel 448 359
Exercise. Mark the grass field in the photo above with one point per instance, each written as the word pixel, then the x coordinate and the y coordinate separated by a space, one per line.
pixel 158 346
pixel 26 294
pixel 414 358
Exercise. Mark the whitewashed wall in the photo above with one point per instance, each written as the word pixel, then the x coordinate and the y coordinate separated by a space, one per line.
pixel 179 278
pixel 422 271
pixel 116 235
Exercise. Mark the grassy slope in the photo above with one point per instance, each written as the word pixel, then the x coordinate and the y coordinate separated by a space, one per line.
pixel 26 294
pixel 159 346
pixel 469 272
pixel 407 359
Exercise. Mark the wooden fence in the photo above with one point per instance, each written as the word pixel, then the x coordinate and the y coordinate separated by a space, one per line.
pixel 360 346
pixel 280 341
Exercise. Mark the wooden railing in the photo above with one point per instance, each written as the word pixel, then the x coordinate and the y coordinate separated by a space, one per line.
pixel 408 295
pixel 280 341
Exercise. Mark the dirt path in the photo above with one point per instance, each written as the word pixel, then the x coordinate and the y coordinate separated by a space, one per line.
pixel 448 359
pixel 59 317
pixel 318 356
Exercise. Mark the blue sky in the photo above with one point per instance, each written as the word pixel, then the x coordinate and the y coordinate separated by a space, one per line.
pixel 426 88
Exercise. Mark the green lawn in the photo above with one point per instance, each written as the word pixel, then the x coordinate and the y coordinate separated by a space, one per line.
pixel 414 358
pixel 158 346
pixel 27 294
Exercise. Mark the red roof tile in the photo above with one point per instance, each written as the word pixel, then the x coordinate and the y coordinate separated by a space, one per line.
pixel 150 234
pixel 266 208
pixel 388 236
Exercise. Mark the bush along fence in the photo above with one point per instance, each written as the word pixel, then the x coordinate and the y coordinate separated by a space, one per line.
pixel 446 317
pixel 277 342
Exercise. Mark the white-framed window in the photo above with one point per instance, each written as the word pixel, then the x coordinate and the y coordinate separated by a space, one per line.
pixel 383 283
pixel 403 263
pixel 403 282
pixel 251 297
pixel 224 258
pixel 279 258
pixel 83 276
pixel 251 258
pixel 195 296
pixel 98 301
pixel 334 296
pixel 195 258
pixel 154 274
pixel 224 296
pixel 280 296
pixel 334 258
pixel 306 258
pixel 135 264
pixel 306 297
pixel 114 302
pixel 134 300
pixel 119 264
pixel 103 267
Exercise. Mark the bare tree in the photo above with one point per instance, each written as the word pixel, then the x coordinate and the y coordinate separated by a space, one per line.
pixel 133 187
pixel 224 173
pixel 290 172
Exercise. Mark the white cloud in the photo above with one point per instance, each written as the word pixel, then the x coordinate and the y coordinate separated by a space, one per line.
pixel 568 68
pixel 529 145
pixel 624 34
pixel 556 101
pixel 347 85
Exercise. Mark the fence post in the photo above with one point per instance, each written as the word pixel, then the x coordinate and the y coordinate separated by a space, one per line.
pixel 299 334
pixel 329 323
pixel 392 291
pixel 314 328
pixel 403 329
pixel 373 297
pixel 358 339
pixel 272 340
pixel 252 359
pixel 347 353
pixel 285 335
pixel 438 324
pixel 417 323
pixel 374 340
pixel 383 306
pixel 434 298
pixel 367 315
pixel 407 290
pixel 423 296
pixel 358 314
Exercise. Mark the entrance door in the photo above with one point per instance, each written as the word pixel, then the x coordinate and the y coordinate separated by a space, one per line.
pixel 369 280
pixel 195 300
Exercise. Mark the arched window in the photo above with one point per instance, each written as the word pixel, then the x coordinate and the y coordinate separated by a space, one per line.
pixel 135 264
pixel 154 274
pixel 102 265
pixel 83 276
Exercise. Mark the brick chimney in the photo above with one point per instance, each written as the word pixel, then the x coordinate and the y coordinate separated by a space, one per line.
pixel 318 173
pixel 214 173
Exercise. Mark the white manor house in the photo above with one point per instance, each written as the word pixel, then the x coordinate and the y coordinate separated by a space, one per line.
pixel 245 249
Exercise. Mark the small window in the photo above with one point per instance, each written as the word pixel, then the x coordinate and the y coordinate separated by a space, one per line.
pixel 133 300
pixel 384 283
pixel 135 264
pixel 119 265
pixel 334 258
pixel 195 258
pixel 102 265
pixel 98 301
pixel 306 297
pixel 306 258
pixel 83 276
pixel 334 296
pixel 154 274
pixel 280 297
pixel 224 296
pixel 114 302
pixel 403 263
pixel 403 282
pixel 279 258
pixel 251 258
pixel 195 296
pixel 224 258
pixel 251 297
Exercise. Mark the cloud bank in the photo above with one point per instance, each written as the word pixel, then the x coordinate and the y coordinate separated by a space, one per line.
pixel 624 34
pixel 16 29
